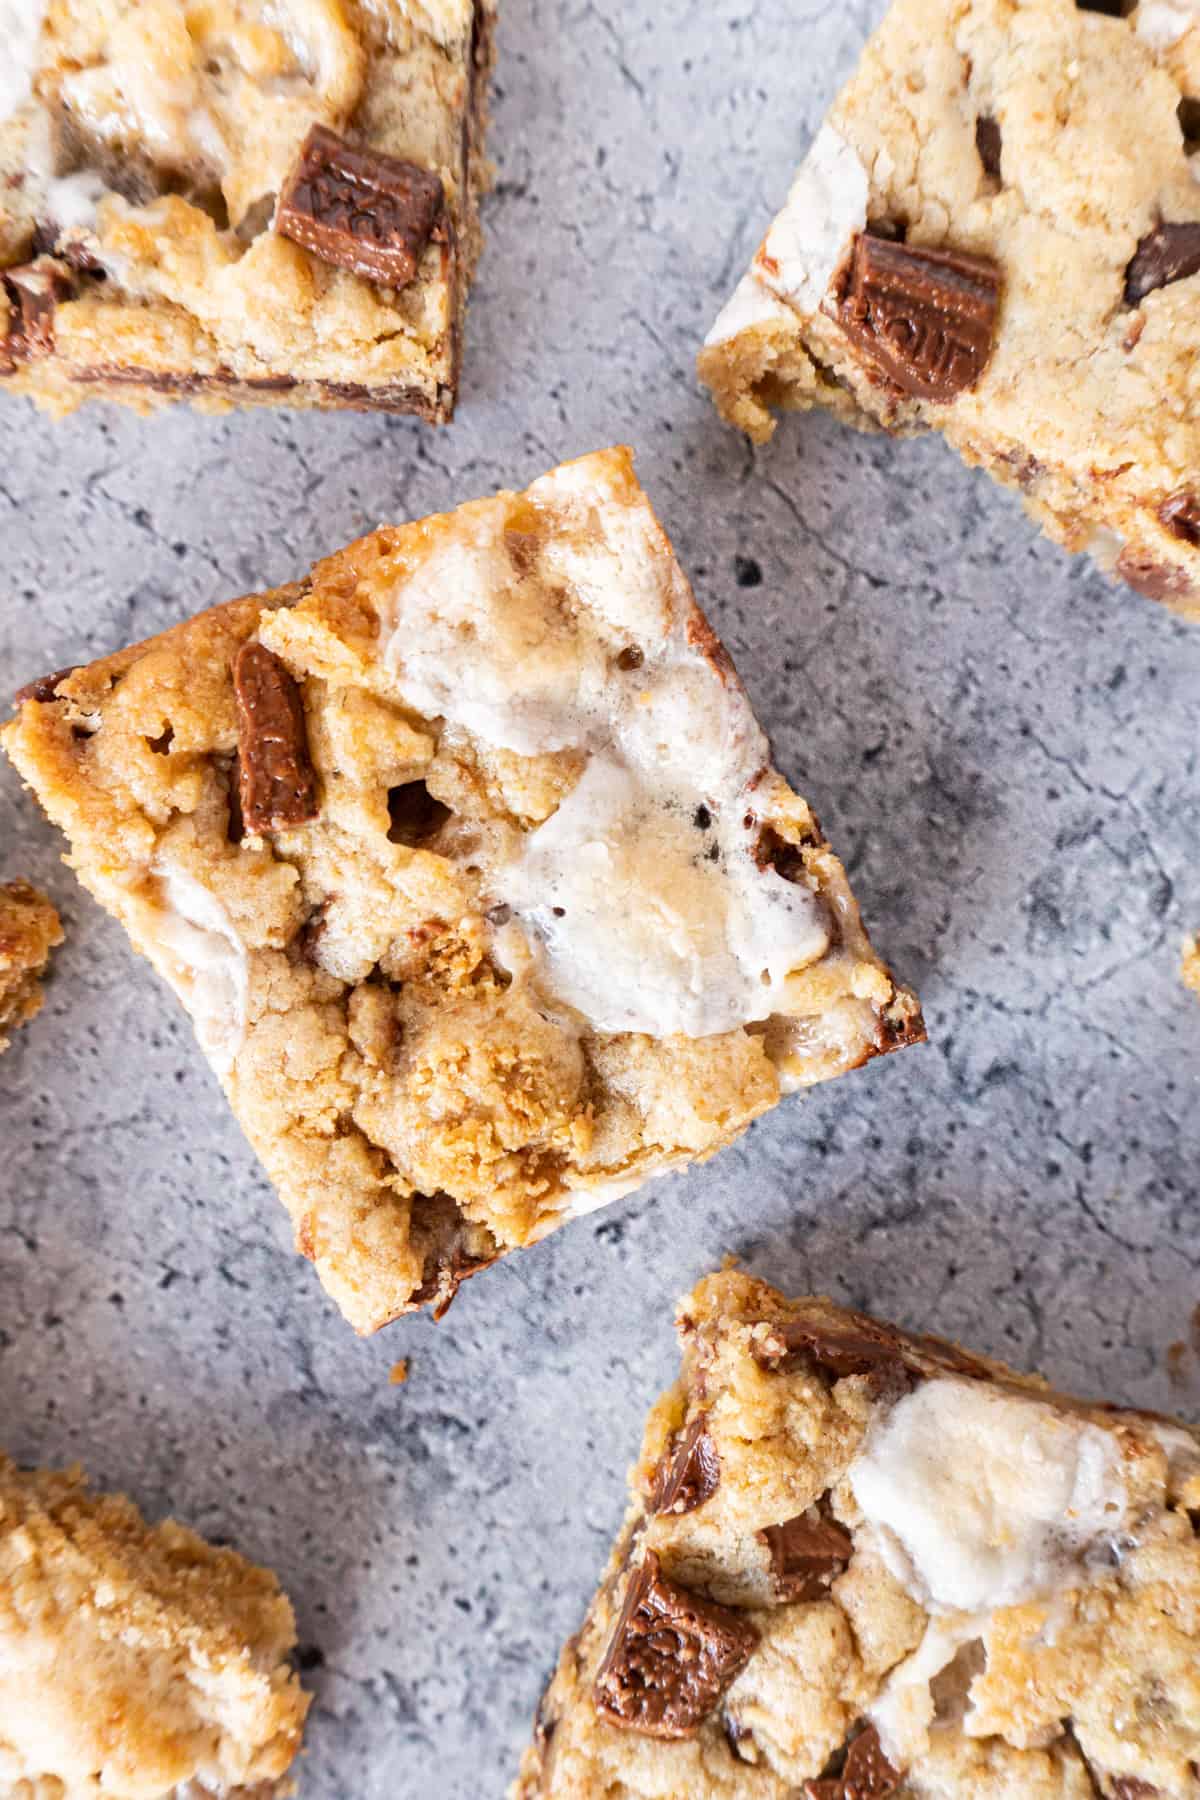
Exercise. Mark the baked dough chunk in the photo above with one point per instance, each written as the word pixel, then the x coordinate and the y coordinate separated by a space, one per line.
pixel 996 235
pixel 467 857
pixel 1191 964
pixel 29 930
pixel 136 1662
pixel 249 201
pixel 862 1564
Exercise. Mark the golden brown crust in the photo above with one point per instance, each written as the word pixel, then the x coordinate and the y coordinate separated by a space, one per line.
pixel 104 1618
pixel 29 930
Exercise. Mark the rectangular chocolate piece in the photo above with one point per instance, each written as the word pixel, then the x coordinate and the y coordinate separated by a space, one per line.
pixel 921 1574
pixel 442 1034
pixel 361 210
pixel 995 235
pixel 142 261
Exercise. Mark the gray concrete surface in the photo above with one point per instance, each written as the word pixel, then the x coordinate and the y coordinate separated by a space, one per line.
pixel 1003 747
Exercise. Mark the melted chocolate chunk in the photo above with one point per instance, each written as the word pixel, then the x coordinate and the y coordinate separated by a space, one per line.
pixel 1166 254
pixel 361 210
pixel 807 1553
pixel 867 1775
pixel 33 291
pixel 689 1475
pixel 45 688
pixel 1114 9
pixel 276 783
pixel 924 319
pixel 1181 516
pixel 671 1657
pixel 1158 581
pixel 839 1346
pixel 989 142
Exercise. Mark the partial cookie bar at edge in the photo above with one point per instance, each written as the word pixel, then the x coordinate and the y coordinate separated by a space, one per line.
pixel 250 204
pixel 1191 964
pixel 29 929
pixel 996 235
pixel 908 1573
pixel 467 857
pixel 136 1660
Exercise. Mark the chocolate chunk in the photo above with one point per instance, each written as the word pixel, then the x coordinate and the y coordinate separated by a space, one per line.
pixel 276 783
pixel 989 142
pixel 842 1347
pixel 1188 112
pixel 807 1553
pixel 1157 580
pixel 1132 1787
pixel 1113 9
pixel 1166 254
pixel 45 688
pixel 33 291
pixel 1181 516
pixel 867 1775
pixel 361 210
pixel 671 1657
pixel 690 1475
pixel 924 319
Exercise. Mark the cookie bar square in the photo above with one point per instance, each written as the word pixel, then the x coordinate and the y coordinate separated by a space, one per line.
pixel 861 1563
pixel 135 1660
pixel 996 235
pixel 243 203
pixel 467 857
pixel 29 930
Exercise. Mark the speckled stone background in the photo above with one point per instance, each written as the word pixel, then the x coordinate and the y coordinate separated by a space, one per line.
pixel 1003 747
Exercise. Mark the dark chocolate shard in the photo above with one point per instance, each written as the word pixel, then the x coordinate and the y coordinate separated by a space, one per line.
pixel 1181 516
pixel 851 1346
pixel 989 141
pixel 359 209
pixel 671 1657
pixel 1168 253
pixel 923 319
pixel 276 783
pixel 867 1775
pixel 689 1474
pixel 1113 9
pixel 807 1554
pixel 45 688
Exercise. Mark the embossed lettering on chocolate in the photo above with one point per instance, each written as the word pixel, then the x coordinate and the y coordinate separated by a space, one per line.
pixel 467 857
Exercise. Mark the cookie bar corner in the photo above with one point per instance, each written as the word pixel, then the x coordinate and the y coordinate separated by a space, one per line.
pixel 106 1618
pixel 996 235
pixel 861 1563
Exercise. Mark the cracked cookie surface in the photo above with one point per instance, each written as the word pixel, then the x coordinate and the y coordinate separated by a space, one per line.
pixel 29 930
pixel 190 195
pixel 468 860
pixel 1051 143
pixel 136 1662
pixel 899 1570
